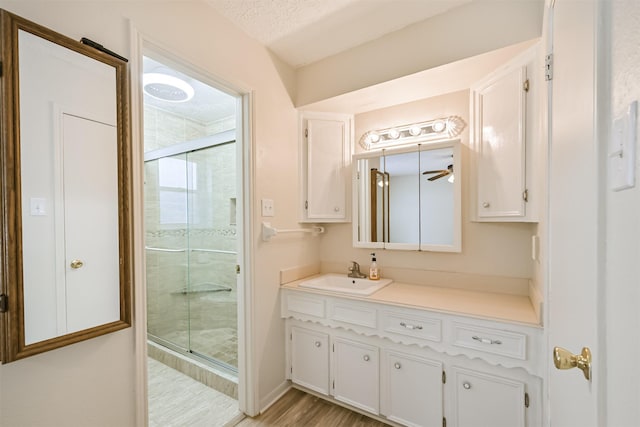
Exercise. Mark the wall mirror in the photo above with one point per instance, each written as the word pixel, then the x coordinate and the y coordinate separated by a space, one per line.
pixel 66 267
pixel 408 198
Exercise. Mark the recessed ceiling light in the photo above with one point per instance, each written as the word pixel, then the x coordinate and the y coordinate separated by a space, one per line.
pixel 166 88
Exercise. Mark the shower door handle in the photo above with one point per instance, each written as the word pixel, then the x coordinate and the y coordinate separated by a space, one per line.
pixel 237 268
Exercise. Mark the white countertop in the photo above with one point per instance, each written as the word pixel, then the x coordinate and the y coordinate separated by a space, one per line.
pixel 493 306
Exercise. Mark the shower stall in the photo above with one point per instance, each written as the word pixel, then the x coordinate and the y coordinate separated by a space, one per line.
pixel 190 244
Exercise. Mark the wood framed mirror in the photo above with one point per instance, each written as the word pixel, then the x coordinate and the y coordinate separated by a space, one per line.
pixel 65 157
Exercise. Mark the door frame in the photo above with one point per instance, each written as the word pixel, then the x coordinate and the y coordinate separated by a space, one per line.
pixel 247 369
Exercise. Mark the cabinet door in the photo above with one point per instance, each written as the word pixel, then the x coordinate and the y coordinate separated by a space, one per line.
pixel 326 151
pixel 355 374
pixel 482 400
pixel 411 389
pixel 499 130
pixel 310 359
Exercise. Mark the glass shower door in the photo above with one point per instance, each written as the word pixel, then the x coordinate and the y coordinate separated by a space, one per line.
pixel 213 258
pixel 191 252
pixel 167 243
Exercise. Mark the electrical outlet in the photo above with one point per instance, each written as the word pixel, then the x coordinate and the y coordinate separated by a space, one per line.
pixel 267 207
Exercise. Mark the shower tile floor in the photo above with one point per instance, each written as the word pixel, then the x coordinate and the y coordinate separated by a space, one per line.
pixel 178 400
pixel 219 343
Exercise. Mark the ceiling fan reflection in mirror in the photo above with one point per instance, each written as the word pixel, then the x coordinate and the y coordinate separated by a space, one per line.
pixel 441 173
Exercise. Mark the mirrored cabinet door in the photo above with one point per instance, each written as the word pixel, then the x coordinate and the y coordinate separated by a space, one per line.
pixel 409 198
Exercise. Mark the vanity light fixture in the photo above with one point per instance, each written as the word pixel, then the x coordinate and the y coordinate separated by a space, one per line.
pixel 166 87
pixel 431 130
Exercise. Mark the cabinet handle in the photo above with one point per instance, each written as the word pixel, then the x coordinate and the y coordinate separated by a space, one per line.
pixel 410 326
pixel 318 344
pixel 486 204
pixel 336 209
pixel 366 358
pixel 466 385
pixel 486 340
pixel 397 365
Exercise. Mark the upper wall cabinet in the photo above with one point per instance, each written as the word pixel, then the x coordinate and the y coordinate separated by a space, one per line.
pixel 66 267
pixel 325 155
pixel 506 140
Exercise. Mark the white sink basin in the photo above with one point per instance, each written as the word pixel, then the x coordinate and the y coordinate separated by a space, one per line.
pixel 346 285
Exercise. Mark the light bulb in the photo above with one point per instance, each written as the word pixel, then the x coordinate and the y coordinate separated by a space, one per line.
pixel 374 137
pixel 415 130
pixel 439 126
pixel 394 134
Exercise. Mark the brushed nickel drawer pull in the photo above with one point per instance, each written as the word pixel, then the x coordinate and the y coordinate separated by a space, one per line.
pixel 410 326
pixel 486 340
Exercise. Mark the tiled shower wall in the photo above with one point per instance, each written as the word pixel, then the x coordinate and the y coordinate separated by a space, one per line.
pixel 191 293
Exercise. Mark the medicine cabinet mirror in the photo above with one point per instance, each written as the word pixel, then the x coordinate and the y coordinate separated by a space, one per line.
pixel 66 269
pixel 408 198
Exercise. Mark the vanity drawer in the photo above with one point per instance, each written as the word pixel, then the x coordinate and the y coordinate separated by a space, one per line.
pixel 354 314
pixel 412 325
pixel 306 305
pixel 503 343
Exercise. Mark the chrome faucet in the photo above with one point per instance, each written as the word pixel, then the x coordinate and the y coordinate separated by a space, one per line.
pixel 354 271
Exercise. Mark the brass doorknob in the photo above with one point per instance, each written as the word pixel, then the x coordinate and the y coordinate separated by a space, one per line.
pixel 564 359
pixel 76 263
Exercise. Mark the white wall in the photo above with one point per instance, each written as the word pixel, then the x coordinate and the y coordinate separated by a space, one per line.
pixel 478 27
pixel 497 252
pixel 620 86
pixel 93 383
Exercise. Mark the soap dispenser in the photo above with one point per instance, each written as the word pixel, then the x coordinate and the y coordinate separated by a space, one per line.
pixel 374 274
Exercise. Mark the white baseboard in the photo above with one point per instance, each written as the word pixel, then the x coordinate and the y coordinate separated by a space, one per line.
pixel 273 397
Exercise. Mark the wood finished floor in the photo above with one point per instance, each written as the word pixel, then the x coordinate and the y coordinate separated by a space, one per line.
pixel 297 409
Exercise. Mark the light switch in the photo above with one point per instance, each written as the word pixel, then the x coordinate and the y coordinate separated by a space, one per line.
pixel 622 150
pixel 38 206
pixel 267 207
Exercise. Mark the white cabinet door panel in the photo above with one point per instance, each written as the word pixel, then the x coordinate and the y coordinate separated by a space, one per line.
pixel 356 374
pixel 481 400
pixel 310 359
pixel 501 139
pixel 411 389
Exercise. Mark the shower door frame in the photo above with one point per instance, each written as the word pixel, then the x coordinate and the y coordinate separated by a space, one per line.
pixel 186 148
pixel 248 395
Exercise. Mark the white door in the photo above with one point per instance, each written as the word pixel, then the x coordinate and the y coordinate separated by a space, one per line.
pixel 90 179
pixel 574 251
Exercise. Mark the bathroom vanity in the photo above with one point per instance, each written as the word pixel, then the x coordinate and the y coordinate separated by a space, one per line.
pixel 418 355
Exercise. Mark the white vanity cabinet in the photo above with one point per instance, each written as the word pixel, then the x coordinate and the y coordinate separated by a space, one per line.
pixel 355 370
pixel 413 367
pixel 506 139
pixel 325 156
pixel 310 359
pixel 411 389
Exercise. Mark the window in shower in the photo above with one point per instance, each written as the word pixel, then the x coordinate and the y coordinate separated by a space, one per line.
pixel 190 225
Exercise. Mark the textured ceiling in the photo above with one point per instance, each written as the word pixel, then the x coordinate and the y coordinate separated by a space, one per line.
pixel 304 31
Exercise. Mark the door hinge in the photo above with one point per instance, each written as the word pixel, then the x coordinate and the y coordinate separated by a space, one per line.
pixel 444 377
pixel 333 384
pixel 306 204
pixel 4 303
pixel 525 85
pixel 306 133
pixel 333 348
pixel 292 370
pixel 237 268
pixel 291 336
pixel 548 67
pixel 1 69
pixel 444 422
pixel 525 195
pixel 526 400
